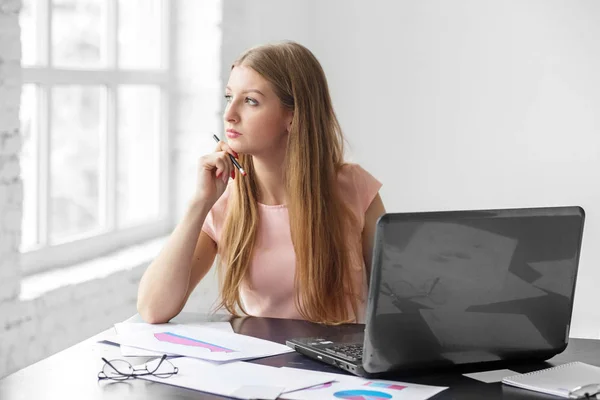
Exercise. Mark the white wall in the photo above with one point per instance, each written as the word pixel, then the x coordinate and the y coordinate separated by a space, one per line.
pixel 462 104
pixel 246 24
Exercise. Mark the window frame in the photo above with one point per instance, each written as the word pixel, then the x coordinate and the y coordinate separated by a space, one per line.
pixel 46 256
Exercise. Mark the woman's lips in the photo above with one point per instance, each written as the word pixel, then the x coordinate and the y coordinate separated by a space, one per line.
pixel 231 134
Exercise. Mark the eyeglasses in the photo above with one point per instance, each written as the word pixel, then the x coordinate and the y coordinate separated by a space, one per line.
pixel 121 370
pixel 585 392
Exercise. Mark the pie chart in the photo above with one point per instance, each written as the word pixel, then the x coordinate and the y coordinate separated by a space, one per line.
pixel 362 395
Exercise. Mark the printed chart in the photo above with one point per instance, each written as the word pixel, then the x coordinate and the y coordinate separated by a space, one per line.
pixel 174 338
pixel 384 385
pixel 362 395
pixel 203 343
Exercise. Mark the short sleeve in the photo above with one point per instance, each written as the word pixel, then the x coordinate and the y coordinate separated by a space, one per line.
pixel 367 187
pixel 213 224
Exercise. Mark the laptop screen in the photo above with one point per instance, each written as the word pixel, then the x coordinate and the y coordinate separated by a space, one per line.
pixel 473 285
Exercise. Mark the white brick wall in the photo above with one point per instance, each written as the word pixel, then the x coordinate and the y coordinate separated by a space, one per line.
pixel 13 315
pixel 34 329
pixel 9 167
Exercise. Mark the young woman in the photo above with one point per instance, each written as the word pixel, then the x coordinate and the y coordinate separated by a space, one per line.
pixel 294 236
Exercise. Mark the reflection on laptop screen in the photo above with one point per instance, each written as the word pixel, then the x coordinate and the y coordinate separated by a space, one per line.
pixel 474 282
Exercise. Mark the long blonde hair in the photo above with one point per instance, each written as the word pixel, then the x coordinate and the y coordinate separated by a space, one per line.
pixel 320 221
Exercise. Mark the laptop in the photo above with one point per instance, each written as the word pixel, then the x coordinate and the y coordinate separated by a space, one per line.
pixel 462 287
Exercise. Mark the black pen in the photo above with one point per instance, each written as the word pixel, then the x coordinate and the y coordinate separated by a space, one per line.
pixel 233 160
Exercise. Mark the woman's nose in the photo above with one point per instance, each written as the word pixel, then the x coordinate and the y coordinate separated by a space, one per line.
pixel 230 114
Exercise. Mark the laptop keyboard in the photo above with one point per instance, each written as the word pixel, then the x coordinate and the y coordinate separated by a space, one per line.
pixel 350 352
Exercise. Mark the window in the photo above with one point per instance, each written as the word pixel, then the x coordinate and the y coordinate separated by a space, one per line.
pixel 94 116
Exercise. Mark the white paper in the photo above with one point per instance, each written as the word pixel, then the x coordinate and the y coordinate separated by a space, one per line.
pixel 203 343
pixel 124 328
pixel 258 392
pixel 491 376
pixel 230 378
pixel 330 376
pixel 186 318
pixel 346 387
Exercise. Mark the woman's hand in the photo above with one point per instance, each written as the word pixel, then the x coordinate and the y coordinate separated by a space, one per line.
pixel 214 171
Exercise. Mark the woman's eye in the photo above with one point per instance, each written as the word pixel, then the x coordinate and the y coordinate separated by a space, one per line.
pixel 228 97
pixel 251 101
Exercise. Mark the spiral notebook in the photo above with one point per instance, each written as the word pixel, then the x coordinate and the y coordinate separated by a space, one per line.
pixel 559 380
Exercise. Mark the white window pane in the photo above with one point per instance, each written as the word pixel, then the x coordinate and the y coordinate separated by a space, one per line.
pixel 28 32
pixel 78 32
pixel 77 117
pixel 139 33
pixel 137 154
pixel 29 121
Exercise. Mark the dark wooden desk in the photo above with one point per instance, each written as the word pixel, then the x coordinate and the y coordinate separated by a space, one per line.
pixel 72 373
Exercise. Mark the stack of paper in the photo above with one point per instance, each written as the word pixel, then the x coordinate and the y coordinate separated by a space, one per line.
pixel 239 379
pixel 352 387
pixel 211 362
pixel 198 342
pixel 128 329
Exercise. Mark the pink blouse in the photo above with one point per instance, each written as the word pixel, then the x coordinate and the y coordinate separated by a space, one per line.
pixel 269 291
